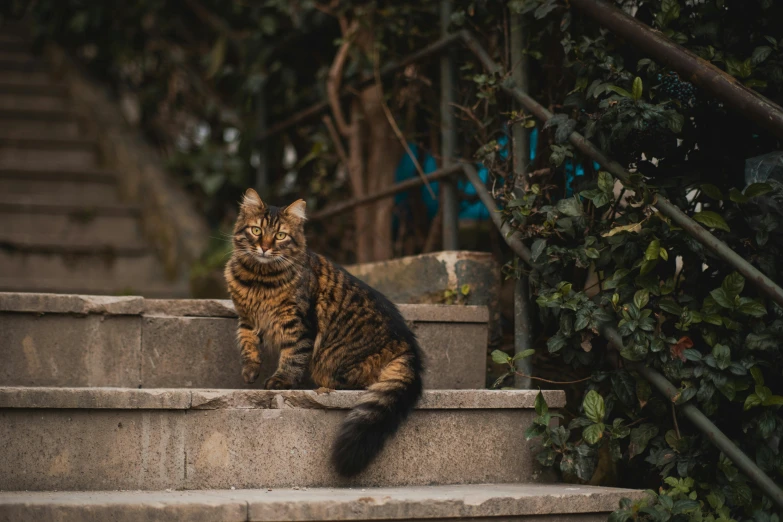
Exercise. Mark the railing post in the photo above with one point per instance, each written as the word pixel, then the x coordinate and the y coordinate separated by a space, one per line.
pixel 448 130
pixel 520 155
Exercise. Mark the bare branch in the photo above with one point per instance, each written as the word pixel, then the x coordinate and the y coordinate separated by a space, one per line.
pixel 396 129
pixel 338 144
pixel 334 80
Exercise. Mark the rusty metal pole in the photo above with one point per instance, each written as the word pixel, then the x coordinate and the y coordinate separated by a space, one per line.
pixel 699 72
pixel 520 158
pixel 448 130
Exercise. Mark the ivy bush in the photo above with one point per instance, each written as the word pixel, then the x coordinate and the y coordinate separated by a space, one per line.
pixel 605 256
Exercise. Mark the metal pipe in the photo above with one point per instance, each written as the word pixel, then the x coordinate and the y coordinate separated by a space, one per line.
pixel 510 235
pixel 735 454
pixel 448 134
pixel 348 90
pixel 385 193
pixel 699 72
pixel 702 235
pixel 520 157
pixel 701 421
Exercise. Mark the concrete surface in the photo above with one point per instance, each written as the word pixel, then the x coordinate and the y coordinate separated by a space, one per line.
pixel 93 439
pixel 424 279
pixel 523 502
pixel 77 340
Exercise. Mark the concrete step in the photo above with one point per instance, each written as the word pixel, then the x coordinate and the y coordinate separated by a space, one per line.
pixel 110 225
pixel 48 153
pixel 31 76
pixel 483 502
pixel 131 341
pixel 54 190
pixel 39 123
pixel 17 56
pixel 20 62
pixel 99 287
pixel 69 266
pixel 33 98
pixel 15 46
pixel 127 438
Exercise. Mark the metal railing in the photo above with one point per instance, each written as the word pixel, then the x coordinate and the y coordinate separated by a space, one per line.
pixel 710 78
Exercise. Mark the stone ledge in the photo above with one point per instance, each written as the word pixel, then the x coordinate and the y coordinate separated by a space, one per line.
pixel 70 304
pixel 183 399
pixel 135 305
pixel 425 313
pixel 395 503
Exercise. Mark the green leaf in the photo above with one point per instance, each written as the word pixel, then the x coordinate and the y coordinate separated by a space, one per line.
pixel 570 207
pixel 738 197
pixel 758 377
pixel 641 298
pixel 685 506
pixel 541 405
pixel 712 220
pixel 733 284
pixel 647 266
pixel 523 354
pixel 760 54
pixel 640 437
pixel 500 357
pixel 664 254
pixel 643 391
pixel 712 191
pixel 538 248
pixel 668 305
pixel 605 182
pixel 637 89
pixel 465 289
pixel 653 250
pixel 763 392
pixel 757 189
pixel 593 433
pixel 773 400
pixel 751 307
pixel 593 405
pixel 619 90
pixel 624 386
pixel 720 297
pixel 592 253
pixel 722 354
pixel 633 227
pixel 752 401
pixel 216 57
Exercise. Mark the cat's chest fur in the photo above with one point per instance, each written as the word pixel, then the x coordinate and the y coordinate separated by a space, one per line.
pixel 267 311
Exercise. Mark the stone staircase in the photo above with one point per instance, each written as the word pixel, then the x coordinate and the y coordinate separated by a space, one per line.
pixel 126 409
pixel 63 227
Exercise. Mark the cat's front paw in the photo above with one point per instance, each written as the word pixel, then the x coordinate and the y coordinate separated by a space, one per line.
pixel 251 371
pixel 278 382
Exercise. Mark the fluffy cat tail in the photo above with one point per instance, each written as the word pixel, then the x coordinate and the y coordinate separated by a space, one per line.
pixel 380 412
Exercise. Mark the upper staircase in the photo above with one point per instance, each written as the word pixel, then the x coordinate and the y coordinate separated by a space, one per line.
pixel 63 227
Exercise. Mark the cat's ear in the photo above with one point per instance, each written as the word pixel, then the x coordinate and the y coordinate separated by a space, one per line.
pixel 296 210
pixel 252 199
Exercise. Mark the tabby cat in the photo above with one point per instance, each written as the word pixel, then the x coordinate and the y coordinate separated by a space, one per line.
pixel 330 329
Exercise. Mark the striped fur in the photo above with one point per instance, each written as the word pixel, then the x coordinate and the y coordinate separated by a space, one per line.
pixel 330 329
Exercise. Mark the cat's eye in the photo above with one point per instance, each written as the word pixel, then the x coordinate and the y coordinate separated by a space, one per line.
pixel 255 231
pixel 280 236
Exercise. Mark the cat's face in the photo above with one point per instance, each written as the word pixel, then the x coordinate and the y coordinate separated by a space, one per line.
pixel 269 235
